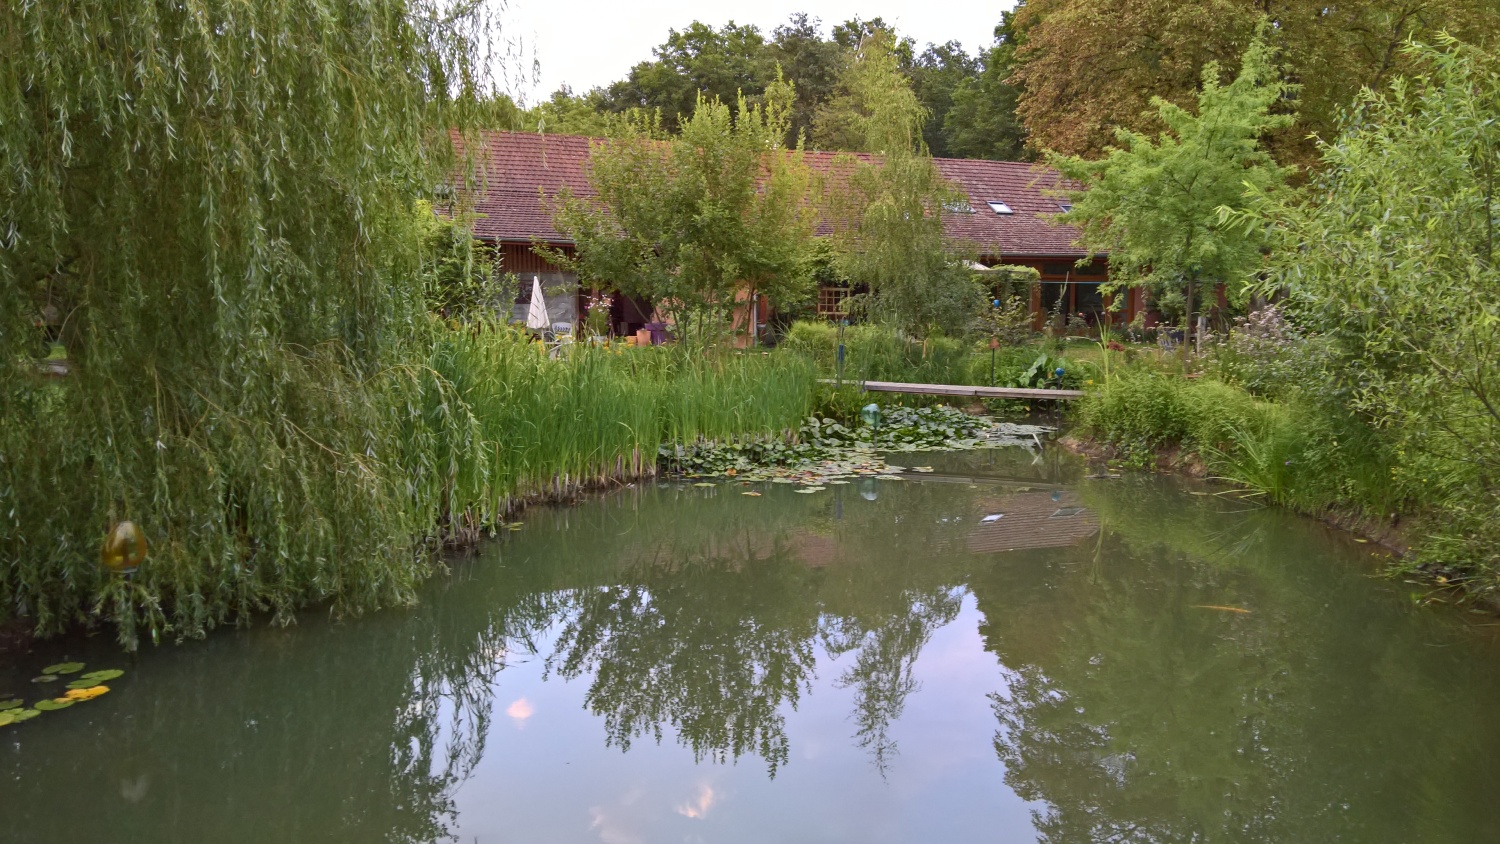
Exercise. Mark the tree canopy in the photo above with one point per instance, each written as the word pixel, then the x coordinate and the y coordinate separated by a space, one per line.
pixel 1085 67
pixel 692 222
pixel 1154 204
pixel 1394 258
pixel 888 218
pixel 209 206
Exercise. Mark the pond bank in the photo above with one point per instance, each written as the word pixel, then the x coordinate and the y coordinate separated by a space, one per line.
pixel 1175 460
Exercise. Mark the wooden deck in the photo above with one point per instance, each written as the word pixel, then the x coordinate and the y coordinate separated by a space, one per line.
pixel 961 390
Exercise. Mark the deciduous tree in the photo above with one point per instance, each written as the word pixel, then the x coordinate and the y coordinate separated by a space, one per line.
pixel 889 210
pixel 1154 204
pixel 690 223
pixel 1086 67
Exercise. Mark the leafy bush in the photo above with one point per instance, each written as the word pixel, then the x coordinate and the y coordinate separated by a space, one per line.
pixel 879 353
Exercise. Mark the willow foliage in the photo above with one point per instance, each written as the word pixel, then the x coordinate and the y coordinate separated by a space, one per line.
pixel 888 212
pixel 208 204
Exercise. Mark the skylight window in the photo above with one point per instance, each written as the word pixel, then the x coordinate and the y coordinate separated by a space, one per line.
pixel 1065 204
pixel 958 207
pixel 999 207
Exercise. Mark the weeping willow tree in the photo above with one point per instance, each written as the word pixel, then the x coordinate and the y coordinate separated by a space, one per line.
pixel 888 214
pixel 206 207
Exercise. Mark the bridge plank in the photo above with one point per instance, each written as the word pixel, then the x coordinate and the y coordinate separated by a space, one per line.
pixel 963 390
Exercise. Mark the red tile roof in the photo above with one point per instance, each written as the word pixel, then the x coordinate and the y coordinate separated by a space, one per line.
pixel 522 170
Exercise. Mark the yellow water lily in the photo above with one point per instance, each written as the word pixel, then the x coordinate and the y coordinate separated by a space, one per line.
pixel 85 694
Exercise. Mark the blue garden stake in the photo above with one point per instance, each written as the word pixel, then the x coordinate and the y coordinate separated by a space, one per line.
pixel 839 376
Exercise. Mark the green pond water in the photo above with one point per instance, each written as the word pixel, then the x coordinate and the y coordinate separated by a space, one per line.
pixel 871 663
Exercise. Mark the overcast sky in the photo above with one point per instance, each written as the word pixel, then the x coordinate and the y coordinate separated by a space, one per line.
pixel 585 43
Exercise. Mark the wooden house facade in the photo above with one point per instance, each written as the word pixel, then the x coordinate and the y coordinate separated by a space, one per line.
pixel 1006 220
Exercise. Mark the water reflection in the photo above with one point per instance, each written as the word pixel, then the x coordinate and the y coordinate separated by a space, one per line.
pixel 1125 702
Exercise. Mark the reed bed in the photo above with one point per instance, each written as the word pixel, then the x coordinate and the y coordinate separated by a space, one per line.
pixel 506 422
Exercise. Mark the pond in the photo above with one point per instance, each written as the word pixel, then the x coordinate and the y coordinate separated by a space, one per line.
pixel 998 650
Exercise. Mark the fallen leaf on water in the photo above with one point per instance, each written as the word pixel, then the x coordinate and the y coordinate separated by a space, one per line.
pixel 1217 607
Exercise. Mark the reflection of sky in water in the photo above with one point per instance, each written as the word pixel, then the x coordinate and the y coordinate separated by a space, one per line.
pixel 944 784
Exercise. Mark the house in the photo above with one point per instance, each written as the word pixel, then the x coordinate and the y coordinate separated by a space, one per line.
pixel 1005 218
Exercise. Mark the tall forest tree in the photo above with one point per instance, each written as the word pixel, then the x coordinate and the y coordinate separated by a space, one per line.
pixel 1088 66
pixel 699 61
pixel 981 122
pixel 209 205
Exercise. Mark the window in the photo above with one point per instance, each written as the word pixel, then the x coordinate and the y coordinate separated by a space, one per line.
pixel 960 206
pixel 831 302
pixel 999 207
pixel 1065 204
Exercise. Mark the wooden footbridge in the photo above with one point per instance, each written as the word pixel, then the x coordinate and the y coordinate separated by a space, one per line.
pixel 1024 393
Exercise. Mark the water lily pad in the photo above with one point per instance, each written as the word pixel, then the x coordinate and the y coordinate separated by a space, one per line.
pixel 752 494
pixel 781 480
pixel 46 678
pixel 50 705
pixel 84 684
pixel 103 676
pixel 888 477
pixel 808 490
pixel 13 703
pixel 839 483
pixel 705 484
pixel 7 718
pixel 19 715
pixel 921 468
pixel 63 668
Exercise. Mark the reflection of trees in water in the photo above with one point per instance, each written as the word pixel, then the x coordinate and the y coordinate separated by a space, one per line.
pixel 1135 714
pixel 708 626
pixel 886 652
pixel 343 732
pixel 686 650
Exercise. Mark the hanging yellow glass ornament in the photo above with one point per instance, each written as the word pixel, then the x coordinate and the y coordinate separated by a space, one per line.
pixel 124 549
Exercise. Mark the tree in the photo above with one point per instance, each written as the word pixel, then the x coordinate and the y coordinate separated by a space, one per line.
pixel 1154 205
pixel 889 210
pixel 722 64
pixel 1088 66
pixel 811 63
pixel 215 199
pixel 938 73
pixel 1394 257
pixel 690 223
pixel 982 120
pixel 566 113
pixel 460 276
